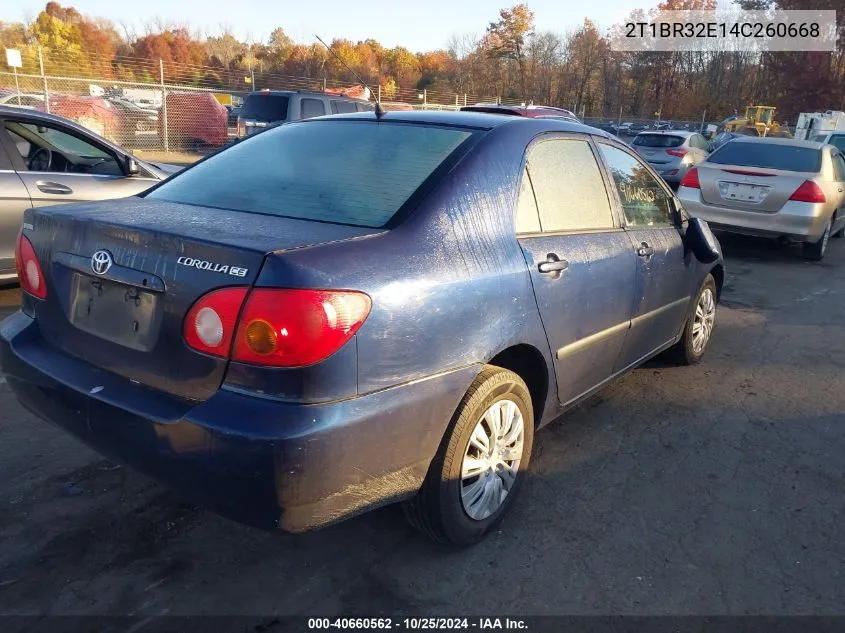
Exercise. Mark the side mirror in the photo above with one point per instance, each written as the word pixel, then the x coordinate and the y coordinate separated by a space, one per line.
pixel 701 241
pixel 131 166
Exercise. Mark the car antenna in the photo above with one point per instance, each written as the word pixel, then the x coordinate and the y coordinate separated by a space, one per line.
pixel 380 112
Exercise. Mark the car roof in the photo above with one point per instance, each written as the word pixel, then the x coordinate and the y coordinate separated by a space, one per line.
pixel 287 93
pixel 471 119
pixel 684 133
pixel 520 110
pixel 772 140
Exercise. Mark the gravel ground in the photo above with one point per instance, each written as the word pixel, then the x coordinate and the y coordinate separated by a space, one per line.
pixel 715 489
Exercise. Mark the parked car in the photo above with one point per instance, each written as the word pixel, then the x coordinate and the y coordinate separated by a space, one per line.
pixel 258 372
pixel 195 120
pixel 135 119
pixel 837 139
pixel 22 100
pixel 638 127
pixel 662 125
pixel 264 108
pixel 624 129
pixel 771 187
pixel 530 111
pixel 46 159
pixel 671 153
pixel 233 111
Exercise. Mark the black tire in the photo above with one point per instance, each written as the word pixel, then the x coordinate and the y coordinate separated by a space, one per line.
pixel 437 509
pixel 815 250
pixel 683 352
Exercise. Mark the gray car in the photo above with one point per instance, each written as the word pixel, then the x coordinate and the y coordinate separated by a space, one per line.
pixel 671 152
pixel 837 139
pixel 771 187
pixel 46 159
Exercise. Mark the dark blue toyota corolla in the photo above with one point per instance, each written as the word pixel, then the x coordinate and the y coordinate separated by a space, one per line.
pixel 345 312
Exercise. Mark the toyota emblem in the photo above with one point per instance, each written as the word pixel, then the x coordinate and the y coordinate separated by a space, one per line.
pixel 101 261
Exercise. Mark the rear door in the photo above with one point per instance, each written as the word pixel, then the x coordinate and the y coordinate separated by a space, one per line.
pixel 663 287
pixel 59 164
pixel 14 198
pixel 581 261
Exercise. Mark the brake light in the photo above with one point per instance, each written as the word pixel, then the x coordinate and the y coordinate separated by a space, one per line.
pixel 29 270
pixel 680 153
pixel 294 328
pixel 808 192
pixel 212 320
pixel 690 179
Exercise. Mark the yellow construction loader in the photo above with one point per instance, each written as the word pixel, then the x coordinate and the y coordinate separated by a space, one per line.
pixel 759 120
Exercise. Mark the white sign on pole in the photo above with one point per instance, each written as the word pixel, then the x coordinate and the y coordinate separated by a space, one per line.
pixel 13 58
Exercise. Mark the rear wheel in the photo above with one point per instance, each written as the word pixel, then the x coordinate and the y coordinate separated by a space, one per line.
pixel 478 470
pixel 816 250
pixel 698 328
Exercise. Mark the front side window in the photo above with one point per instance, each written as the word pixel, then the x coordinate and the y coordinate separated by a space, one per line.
pixel 342 171
pixel 644 200
pixel 46 148
pixel 568 186
pixel 838 168
pixel 312 108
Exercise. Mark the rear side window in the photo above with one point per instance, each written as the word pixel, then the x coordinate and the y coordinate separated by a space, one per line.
pixel 768 155
pixel 342 107
pixel 527 218
pixel 365 107
pixel 312 108
pixel 265 107
pixel 838 141
pixel 342 171
pixel 838 168
pixel 568 186
pixel 658 140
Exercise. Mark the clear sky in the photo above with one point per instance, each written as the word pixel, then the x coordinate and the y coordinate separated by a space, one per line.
pixel 419 25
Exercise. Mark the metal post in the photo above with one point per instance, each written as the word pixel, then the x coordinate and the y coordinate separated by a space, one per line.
pixel 44 79
pixel 17 87
pixel 164 105
pixel 703 115
pixel 252 76
pixel 456 100
pixel 378 100
pixel 465 99
pixel 620 116
pixel 425 98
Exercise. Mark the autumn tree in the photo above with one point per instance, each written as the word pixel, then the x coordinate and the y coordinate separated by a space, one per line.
pixel 506 37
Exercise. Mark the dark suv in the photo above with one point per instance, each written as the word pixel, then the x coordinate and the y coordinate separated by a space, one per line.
pixel 268 107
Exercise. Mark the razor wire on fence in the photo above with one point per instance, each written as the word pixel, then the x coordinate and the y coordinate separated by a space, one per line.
pixel 164 106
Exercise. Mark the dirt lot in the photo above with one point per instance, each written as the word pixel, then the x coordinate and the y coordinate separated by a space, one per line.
pixel 716 489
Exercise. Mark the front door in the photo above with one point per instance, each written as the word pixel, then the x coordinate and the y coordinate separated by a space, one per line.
pixel 59 164
pixel 664 277
pixel 581 261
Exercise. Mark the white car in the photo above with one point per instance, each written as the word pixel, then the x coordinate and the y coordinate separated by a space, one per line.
pixel 22 100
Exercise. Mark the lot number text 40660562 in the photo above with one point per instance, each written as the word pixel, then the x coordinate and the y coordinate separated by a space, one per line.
pixel 418 624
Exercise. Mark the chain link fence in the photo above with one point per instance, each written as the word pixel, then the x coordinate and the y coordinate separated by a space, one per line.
pixel 161 106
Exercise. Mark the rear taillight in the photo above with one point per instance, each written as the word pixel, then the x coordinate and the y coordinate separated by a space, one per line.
pixel 690 179
pixel 211 322
pixel 30 275
pixel 276 327
pixel 680 153
pixel 294 328
pixel 809 192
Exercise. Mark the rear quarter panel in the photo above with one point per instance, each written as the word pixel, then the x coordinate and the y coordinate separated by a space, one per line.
pixel 449 286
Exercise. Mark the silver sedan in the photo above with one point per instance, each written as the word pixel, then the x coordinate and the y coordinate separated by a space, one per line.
pixel 771 187
pixel 671 152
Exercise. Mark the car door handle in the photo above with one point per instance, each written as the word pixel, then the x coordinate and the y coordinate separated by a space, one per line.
pixel 53 187
pixel 553 264
pixel 645 250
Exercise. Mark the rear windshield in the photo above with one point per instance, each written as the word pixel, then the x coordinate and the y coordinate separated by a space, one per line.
pixel 658 140
pixel 769 155
pixel 346 172
pixel 265 107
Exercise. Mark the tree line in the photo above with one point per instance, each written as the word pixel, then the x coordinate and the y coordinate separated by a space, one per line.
pixel 510 60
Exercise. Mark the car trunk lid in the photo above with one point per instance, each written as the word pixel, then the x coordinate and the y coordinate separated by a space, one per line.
pixel 122 274
pixel 754 189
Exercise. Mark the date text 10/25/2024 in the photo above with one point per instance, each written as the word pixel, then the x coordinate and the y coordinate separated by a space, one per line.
pixel 418 624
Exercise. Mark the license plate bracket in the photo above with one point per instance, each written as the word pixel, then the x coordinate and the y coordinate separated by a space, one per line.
pixel 119 313
pixel 743 192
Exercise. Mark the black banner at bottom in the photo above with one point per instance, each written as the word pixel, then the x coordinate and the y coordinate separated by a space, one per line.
pixel 486 624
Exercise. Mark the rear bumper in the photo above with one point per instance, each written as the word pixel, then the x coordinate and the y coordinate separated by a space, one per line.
pixel 265 463
pixel 801 221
